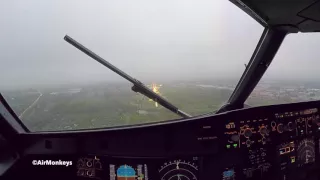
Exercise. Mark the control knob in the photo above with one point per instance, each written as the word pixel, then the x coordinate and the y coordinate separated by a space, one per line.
pixel 247 133
pixel 90 172
pixel 280 128
pixel 235 137
pixel 248 142
pixel 89 163
pixel 291 126
pixel 263 131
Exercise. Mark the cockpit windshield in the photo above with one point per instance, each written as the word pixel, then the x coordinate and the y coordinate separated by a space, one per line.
pixel 191 53
pixel 292 76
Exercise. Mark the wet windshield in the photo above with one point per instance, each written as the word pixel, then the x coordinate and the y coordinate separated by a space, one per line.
pixel 191 53
pixel 292 76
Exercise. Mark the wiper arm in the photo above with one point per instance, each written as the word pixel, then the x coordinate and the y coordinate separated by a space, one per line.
pixel 137 85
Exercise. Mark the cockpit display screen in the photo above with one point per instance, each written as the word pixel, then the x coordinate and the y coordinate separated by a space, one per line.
pixel 128 172
pixel 138 169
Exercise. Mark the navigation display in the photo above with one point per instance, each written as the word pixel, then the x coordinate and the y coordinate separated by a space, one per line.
pixel 306 151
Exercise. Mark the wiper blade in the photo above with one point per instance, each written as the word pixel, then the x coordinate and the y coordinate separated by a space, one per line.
pixel 137 85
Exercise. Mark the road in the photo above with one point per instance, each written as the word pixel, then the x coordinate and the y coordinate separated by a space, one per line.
pixel 29 107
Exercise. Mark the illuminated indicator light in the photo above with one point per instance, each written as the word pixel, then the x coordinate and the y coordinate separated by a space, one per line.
pixel 282 151
pixel 228 146
pixel 228 173
pixel 293 159
pixel 235 145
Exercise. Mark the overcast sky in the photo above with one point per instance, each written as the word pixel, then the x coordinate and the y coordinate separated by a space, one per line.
pixel 148 39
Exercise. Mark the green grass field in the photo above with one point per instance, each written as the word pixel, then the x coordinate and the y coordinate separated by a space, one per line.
pixel 109 105
pixel 105 106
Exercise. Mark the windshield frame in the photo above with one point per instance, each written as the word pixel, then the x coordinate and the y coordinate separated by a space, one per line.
pixel 267 47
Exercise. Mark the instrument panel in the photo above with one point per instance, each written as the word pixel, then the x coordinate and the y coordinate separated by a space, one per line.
pixel 138 169
pixel 278 145
pixel 273 142
pixel 255 148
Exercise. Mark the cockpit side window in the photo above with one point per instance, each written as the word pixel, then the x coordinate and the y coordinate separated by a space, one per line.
pixel 293 75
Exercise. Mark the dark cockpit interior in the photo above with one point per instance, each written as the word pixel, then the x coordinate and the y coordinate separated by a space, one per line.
pixel 235 143
pixel 279 142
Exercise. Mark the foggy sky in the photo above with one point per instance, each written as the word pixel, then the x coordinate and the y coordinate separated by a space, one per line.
pixel 148 39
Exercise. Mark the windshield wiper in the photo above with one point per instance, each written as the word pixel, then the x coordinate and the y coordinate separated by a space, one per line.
pixel 137 85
